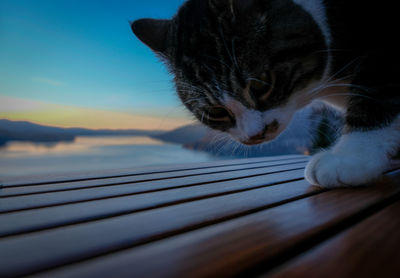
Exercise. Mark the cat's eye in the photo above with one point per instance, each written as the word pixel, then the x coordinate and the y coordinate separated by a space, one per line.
pixel 218 117
pixel 218 114
pixel 262 87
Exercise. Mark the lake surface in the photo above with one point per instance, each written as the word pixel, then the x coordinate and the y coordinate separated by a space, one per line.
pixel 92 154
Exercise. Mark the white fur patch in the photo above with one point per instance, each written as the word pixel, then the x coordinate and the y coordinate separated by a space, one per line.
pixel 317 10
pixel 358 158
pixel 249 122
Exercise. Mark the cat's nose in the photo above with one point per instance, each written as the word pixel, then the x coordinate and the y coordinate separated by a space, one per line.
pixel 258 137
pixel 267 134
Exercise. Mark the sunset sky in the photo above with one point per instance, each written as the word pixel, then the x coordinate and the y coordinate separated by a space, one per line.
pixel 77 63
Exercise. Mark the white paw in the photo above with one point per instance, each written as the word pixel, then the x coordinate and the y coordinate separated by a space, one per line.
pixel 329 169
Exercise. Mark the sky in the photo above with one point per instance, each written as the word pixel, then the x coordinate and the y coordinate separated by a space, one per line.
pixel 77 63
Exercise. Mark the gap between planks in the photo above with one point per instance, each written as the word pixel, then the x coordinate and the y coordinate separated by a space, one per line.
pixel 64 178
pixel 18 203
pixel 70 186
pixel 249 244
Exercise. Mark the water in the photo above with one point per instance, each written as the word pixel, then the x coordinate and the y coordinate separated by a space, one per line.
pixel 92 154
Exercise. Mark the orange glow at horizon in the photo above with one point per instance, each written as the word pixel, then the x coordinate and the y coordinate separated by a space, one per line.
pixel 69 116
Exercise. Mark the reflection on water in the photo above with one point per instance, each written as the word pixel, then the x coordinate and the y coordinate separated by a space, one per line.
pixel 80 144
pixel 92 154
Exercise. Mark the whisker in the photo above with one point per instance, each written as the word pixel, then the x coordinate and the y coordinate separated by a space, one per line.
pixel 332 50
pixel 351 94
pixel 258 80
pixel 234 55
pixel 343 68
pixel 191 100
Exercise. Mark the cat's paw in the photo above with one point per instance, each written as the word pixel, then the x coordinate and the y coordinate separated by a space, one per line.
pixel 331 170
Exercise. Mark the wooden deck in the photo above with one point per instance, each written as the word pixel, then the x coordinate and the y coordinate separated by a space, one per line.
pixel 252 217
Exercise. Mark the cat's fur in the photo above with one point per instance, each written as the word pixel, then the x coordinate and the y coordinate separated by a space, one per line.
pixel 246 66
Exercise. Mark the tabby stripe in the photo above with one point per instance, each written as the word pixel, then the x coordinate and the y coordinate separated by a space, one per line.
pixel 304 76
pixel 283 55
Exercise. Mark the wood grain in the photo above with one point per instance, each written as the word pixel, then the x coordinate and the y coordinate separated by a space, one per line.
pixel 57 198
pixel 369 249
pixel 238 218
pixel 37 251
pixel 48 217
pixel 13 191
pixel 238 246
pixel 28 180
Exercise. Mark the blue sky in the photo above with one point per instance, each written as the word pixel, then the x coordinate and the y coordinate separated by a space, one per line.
pixel 83 54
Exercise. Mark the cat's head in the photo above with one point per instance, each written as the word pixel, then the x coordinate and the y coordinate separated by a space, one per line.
pixel 240 66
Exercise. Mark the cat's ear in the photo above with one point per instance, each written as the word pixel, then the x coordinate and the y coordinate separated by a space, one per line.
pixel 152 32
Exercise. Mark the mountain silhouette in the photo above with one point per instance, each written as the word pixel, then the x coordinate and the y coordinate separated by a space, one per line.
pixel 27 131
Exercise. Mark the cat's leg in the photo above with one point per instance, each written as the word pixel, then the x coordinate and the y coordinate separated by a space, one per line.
pixel 372 134
pixel 357 158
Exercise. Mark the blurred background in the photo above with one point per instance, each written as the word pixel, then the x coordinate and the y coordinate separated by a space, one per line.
pixel 78 92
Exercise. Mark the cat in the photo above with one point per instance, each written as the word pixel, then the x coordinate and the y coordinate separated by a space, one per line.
pixel 245 67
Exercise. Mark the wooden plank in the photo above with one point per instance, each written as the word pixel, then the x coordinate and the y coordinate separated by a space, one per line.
pixel 46 188
pixel 56 198
pixel 369 249
pixel 238 246
pixel 24 180
pixel 38 251
pixel 49 217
